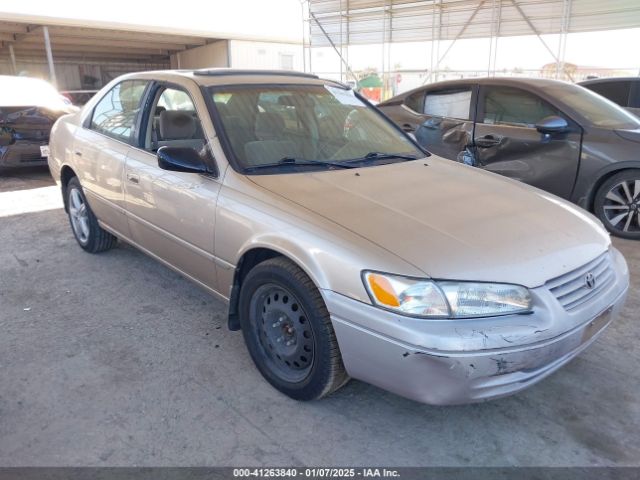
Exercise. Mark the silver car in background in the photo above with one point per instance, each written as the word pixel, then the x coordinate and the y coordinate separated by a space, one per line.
pixel 343 249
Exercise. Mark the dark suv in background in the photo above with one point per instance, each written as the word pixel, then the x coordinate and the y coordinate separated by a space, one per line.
pixel 623 91
pixel 553 135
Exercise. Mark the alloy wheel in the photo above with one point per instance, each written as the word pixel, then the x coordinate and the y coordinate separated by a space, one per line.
pixel 79 215
pixel 621 206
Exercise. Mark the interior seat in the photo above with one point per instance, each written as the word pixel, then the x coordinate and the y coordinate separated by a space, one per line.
pixel 272 144
pixel 179 129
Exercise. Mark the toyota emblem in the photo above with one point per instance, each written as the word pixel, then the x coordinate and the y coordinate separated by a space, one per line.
pixel 590 280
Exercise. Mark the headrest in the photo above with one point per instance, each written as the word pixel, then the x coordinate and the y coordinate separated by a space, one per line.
pixel 296 100
pixel 176 125
pixel 269 126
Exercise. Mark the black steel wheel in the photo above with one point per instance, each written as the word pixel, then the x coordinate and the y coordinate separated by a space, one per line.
pixel 288 331
pixel 617 204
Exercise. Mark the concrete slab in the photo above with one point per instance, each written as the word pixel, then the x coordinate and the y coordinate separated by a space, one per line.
pixel 113 359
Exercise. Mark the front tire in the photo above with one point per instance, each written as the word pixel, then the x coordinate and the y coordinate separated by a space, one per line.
pixel 617 204
pixel 84 224
pixel 288 331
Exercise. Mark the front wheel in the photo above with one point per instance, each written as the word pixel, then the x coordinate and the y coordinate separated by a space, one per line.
pixel 617 204
pixel 84 224
pixel 288 331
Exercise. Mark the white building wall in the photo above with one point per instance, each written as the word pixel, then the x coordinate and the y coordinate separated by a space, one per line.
pixel 268 55
pixel 207 56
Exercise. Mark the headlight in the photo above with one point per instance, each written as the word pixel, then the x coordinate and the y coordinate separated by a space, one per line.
pixel 430 298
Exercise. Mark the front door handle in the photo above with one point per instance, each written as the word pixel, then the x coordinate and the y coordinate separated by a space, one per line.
pixel 407 127
pixel 133 178
pixel 487 141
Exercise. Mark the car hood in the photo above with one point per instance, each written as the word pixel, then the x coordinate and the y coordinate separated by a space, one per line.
pixel 451 221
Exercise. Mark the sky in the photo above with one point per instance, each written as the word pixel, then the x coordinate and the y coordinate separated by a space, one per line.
pixel 608 49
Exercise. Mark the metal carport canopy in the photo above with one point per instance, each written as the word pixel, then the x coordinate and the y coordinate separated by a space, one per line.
pixel 353 22
pixel 93 40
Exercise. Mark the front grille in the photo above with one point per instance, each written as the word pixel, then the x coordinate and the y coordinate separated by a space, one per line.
pixel 571 289
pixel 31 157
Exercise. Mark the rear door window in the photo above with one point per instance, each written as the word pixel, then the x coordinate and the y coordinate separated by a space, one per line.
pixel 512 106
pixel 449 103
pixel 115 115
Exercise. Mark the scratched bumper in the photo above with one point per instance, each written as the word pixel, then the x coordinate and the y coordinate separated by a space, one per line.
pixel 447 362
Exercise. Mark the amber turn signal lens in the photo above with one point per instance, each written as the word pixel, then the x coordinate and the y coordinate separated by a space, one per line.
pixel 382 290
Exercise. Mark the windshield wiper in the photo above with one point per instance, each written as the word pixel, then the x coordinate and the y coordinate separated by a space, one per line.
pixel 383 156
pixel 299 163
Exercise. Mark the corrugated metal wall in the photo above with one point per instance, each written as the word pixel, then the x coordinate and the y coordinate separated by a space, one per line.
pixel 358 22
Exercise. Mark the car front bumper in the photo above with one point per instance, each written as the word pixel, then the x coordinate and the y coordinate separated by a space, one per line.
pixel 23 153
pixel 446 362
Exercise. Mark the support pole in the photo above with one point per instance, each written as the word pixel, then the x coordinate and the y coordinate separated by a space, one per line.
pixel 47 45
pixel 333 45
pixel 457 37
pixel 13 59
pixel 538 34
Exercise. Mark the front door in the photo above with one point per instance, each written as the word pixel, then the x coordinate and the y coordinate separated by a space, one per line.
pixel 172 214
pixel 507 142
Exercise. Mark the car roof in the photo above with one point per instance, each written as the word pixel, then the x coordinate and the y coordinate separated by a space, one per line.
pixel 609 79
pixel 508 81
pixel 233 76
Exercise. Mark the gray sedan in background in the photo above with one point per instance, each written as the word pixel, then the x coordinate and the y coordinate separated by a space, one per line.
pixel 625 91
pixel 553 135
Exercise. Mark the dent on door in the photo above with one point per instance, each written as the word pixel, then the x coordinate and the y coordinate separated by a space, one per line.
pixel 446 137
pixel 525 154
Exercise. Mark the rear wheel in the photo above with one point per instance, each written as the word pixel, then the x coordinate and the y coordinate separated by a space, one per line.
pixel 288 331
pixel 617 204
pixel 84 224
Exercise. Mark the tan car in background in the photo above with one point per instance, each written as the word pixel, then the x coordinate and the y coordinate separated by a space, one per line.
pixel 343 248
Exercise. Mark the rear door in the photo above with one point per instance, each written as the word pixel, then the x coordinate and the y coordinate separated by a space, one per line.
pixel 506 140
pixel 101 147
pixel 446 121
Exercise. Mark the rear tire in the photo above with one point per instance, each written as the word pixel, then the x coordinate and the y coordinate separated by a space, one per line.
pixel 84 224
pixel 288 331
pixel 617 204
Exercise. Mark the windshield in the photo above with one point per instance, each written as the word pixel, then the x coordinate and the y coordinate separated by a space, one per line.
pixel 321 126
pixel 595 108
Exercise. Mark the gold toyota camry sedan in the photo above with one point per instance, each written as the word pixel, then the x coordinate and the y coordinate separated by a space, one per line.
pixel 343 249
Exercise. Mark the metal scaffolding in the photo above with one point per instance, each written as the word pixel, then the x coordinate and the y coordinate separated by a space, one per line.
pixel 343 23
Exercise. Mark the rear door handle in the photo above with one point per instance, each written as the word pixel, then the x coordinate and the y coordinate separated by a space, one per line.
pixel 133 178
pixel 487 141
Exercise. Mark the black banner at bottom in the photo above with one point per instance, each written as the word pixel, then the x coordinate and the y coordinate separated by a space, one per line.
pixel 402 473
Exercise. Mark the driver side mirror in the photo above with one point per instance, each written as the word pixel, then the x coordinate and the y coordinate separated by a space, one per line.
pixel 552 124
pixel 182 159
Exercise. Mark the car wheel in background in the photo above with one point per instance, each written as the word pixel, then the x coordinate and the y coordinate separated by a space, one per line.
pixel 288 331
pixel 84 224
pixel 617 204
